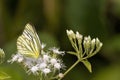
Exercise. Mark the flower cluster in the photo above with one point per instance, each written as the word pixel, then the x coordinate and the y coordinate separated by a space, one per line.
pixel 48 64
pixel 84 46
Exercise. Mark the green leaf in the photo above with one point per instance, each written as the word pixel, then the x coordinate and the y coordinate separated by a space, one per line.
pixel 4 76
pixel 87 65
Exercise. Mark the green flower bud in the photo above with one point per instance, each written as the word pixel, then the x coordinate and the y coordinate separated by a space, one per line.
pixel 70 34
pixel 79 36
pixel 92 45
pixel 87 44
pixel 98 46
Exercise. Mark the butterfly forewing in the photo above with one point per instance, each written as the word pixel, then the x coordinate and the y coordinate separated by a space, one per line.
pixel 28 43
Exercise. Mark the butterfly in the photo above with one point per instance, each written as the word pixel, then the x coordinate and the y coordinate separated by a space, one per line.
pixel 28 43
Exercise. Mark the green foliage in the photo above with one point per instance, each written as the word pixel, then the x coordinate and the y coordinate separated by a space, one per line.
pixel 4 76
pixel 87 65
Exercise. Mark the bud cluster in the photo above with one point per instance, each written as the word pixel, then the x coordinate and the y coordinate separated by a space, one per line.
pixel 85 47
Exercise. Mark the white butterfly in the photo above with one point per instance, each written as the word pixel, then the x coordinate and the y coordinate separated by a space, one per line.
pixel 28 43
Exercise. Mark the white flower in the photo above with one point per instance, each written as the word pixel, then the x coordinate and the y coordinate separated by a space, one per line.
pixel 57 65
pixel 61 75
pixel 39 60
pixel 46 71
pixel 29 62
pixel 46 57
pixel 20 59
pixel 43 45
pixel 56 50
pixel 15 58
pixel 34 69
pixel 53 61
pixel 42 65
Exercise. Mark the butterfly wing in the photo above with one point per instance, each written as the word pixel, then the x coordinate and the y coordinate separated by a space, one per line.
pixel 28 43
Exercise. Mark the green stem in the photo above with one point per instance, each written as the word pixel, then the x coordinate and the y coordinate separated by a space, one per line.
pixel 71 68
pixel 41 77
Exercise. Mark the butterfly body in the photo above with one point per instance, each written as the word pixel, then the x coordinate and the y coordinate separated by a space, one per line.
pixel 28 43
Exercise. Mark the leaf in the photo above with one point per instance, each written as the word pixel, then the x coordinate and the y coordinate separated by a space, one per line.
pixel 4 76
pixel 87 65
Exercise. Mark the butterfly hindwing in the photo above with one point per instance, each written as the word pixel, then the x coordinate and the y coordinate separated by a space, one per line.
pixel 28 43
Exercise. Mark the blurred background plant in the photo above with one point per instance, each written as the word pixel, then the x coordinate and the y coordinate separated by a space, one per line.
pixel 3 75
pixel 51 18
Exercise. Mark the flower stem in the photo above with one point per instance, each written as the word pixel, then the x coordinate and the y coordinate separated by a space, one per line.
pixel 71 68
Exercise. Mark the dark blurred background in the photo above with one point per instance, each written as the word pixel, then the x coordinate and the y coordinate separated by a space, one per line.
pixel 51 18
